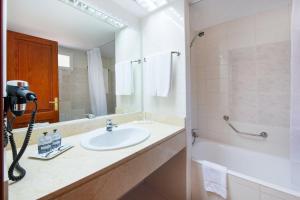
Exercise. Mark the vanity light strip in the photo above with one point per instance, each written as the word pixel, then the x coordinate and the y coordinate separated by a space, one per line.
pixel 91 10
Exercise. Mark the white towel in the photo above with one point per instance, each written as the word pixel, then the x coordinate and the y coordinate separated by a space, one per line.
pixel 158 74
pixel 215 178
pixel 150 76
pixel 163 74
pixel 124 78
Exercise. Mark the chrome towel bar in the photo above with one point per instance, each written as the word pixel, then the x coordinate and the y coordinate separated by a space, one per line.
pixel 136 61
pixel 261 134
pixel 177 53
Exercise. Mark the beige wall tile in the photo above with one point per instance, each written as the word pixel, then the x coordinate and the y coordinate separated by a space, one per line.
pixel 243 71
pixel 280 28
pixel 74 103
pixel 240 33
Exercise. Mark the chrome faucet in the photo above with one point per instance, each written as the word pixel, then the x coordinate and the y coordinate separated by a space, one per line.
pixel 110 125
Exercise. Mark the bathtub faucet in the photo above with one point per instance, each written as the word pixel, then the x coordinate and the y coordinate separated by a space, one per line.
pixel 194 135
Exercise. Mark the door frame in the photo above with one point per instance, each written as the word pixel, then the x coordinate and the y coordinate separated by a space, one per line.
pixel 3 188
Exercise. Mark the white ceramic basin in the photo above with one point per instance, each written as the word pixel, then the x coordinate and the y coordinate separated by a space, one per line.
pixel 119 138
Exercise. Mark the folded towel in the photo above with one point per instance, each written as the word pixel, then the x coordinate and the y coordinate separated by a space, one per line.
pixel 214 177
pixel 124 78
pixel 158 74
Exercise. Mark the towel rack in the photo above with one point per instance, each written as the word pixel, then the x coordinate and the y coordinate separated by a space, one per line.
pixel 139 61
pixel 261 134
pixel 177 53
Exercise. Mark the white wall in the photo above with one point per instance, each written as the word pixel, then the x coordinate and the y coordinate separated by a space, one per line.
pixel 128 48
pixel 164 31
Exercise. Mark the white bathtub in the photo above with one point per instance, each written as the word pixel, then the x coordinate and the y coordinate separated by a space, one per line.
pixel 251 175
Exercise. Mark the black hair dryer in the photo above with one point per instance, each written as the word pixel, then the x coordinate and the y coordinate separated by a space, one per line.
pixel 18 95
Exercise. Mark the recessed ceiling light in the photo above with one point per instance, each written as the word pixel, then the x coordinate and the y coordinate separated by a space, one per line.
pixel 151 5
pixel 98 14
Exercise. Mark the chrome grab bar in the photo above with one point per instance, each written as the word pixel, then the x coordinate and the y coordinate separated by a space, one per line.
pixel 262 134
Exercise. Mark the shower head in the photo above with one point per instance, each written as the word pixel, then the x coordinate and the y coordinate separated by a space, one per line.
pixel 200 34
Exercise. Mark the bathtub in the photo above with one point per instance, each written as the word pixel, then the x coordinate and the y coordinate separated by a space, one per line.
pixel 251 175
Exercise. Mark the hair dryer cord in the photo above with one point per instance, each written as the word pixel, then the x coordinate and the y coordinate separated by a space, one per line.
pixel 17 156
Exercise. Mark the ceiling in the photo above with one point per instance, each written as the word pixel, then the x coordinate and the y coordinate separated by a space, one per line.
pixel 54 20
pixel 132 7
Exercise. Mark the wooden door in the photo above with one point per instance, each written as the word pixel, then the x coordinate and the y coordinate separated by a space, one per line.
pixel 35 60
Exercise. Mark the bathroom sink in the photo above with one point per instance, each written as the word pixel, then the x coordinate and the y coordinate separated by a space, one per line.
pixel 121 137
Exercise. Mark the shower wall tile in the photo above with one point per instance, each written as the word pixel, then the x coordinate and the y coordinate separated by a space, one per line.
pixel 217 85
pixel 274 82
pixel 273 110
pixel 244 77
pixel 74 103
pixel 217 72
pixel 243 107
pixel 242 55
pixel 240 33
pixel 269 30
pixel 216 37
pixel 215 55
pixel 244 71
pixel 274 53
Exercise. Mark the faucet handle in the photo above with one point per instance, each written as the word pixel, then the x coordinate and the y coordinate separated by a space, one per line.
pixel 90 115
pixel 109 122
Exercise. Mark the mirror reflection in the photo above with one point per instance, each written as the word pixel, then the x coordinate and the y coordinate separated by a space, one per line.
pixel 67 53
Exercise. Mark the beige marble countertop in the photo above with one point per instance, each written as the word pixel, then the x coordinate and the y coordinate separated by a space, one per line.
pixel 78 165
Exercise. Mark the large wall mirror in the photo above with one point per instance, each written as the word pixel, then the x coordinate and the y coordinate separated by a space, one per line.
pixel 79 60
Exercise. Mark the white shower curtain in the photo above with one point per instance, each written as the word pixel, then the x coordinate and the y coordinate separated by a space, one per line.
pixel 96 82
pixel 295 94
